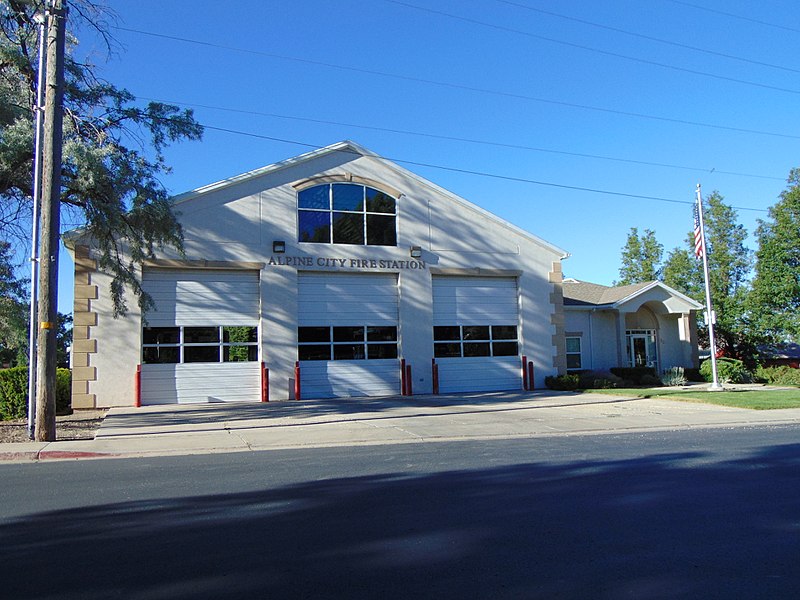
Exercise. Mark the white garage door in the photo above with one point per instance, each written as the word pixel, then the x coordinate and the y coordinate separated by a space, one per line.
pixel 201 342
pixel 348 335
pixel 476 333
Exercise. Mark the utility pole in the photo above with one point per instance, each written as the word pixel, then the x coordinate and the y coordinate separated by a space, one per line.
pixel 33 320
pixel 51 203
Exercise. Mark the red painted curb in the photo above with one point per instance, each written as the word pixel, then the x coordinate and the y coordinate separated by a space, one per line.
pixel 64 454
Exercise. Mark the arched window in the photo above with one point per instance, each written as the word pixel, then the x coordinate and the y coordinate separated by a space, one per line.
pixel 346 213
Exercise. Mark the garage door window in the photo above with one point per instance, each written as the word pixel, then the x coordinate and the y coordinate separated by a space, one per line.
pixel 346 213
pixel 347 343
pixel 212 344
pixel 452 341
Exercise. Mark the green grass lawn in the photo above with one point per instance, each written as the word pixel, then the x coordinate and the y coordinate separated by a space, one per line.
pixel 757 399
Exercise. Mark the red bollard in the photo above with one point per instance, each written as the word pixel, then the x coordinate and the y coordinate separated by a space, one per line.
pixel 403 377
pixel 409 389
pixel 137 400
pixel 531 385
pixel 525 373
pixel 435 375
pixel 297 380
pixel 264 383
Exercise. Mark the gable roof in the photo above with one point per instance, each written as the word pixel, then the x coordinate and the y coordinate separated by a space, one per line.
pixel 356 150
pixel 583 293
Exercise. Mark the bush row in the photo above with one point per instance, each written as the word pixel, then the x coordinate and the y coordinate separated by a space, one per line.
pixel 729 370
pixel 14 392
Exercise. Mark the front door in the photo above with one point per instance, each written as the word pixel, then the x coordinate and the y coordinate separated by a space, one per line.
pixel 642 349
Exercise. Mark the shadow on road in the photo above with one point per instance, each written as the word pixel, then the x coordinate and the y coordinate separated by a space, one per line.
pixel 660 526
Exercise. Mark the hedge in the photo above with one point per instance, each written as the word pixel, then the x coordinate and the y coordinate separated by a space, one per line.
pixel 729 370
pixel 783 375
pixel 637 375
pixel 14 392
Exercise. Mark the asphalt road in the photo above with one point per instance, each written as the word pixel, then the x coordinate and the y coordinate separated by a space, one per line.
pixel 692 514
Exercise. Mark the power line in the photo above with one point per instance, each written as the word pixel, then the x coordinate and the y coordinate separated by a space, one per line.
pixel 466 140
pixel 472 172
pixel 591 49
pixel 735 16
pixel 457 86
pixel 649 37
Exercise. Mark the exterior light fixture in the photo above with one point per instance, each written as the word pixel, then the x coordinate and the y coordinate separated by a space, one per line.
pixel 279 247
pixel 416 252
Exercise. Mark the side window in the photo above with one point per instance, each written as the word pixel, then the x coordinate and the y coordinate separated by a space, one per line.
pixel 346 213
pixel 573 353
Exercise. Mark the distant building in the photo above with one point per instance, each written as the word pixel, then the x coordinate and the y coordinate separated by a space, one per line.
pixel 641 325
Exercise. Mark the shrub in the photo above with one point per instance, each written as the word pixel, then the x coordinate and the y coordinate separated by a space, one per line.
pixel 598 380
pixel 693 375
pixel 636 374
pixel 729 370
pixel 567 382
pixel 779 375
pixel 14 392
pixel 674 376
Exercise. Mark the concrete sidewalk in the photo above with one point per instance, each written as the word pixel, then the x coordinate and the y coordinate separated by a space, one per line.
pixel 207 428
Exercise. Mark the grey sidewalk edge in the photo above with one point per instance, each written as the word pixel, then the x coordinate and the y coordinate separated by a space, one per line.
pixel 50 451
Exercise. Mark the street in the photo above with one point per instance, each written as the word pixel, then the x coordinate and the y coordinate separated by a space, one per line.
pixel 695 513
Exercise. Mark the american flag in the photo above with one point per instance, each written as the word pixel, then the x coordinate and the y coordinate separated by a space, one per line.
pixel 698 233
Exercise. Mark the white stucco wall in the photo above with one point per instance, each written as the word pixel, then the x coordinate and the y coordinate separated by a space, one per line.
pixel 239 222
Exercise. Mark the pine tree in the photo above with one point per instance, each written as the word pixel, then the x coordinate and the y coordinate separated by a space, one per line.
pixel 113 151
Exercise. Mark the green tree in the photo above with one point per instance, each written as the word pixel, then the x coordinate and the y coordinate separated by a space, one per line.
pixel 641 258
pixel 683 272
pixel 113 150
pixel 729 262
pixel 13 312
pixel 775 298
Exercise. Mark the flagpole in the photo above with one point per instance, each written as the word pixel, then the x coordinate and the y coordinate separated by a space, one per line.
pixel 709 311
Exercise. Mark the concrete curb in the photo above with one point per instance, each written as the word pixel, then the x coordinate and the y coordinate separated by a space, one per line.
pixel 45 454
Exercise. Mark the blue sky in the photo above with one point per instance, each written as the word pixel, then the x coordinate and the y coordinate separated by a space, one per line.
pixel 671 93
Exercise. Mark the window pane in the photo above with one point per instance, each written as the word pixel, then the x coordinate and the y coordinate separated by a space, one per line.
pixel 447 333
pixel 239 334
pixel 348 352
pixel 473 349
pixel 504 332
pixel 379 202
pixel 382 350
pixel 240 353
pixel 381 230
pixel 382 334
pixel 348 334
pixel 446 350
pixel 505 349
pixel 573 344
pixel 348 228
pixel 193 354
pixel 476 333
pixel 348 197
pixel 161 335
pixel 315 226
pixel 573 361
pixel 152 356
pixel 200 335
pixel 313 334
pixel 315 197
pixel 314 352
